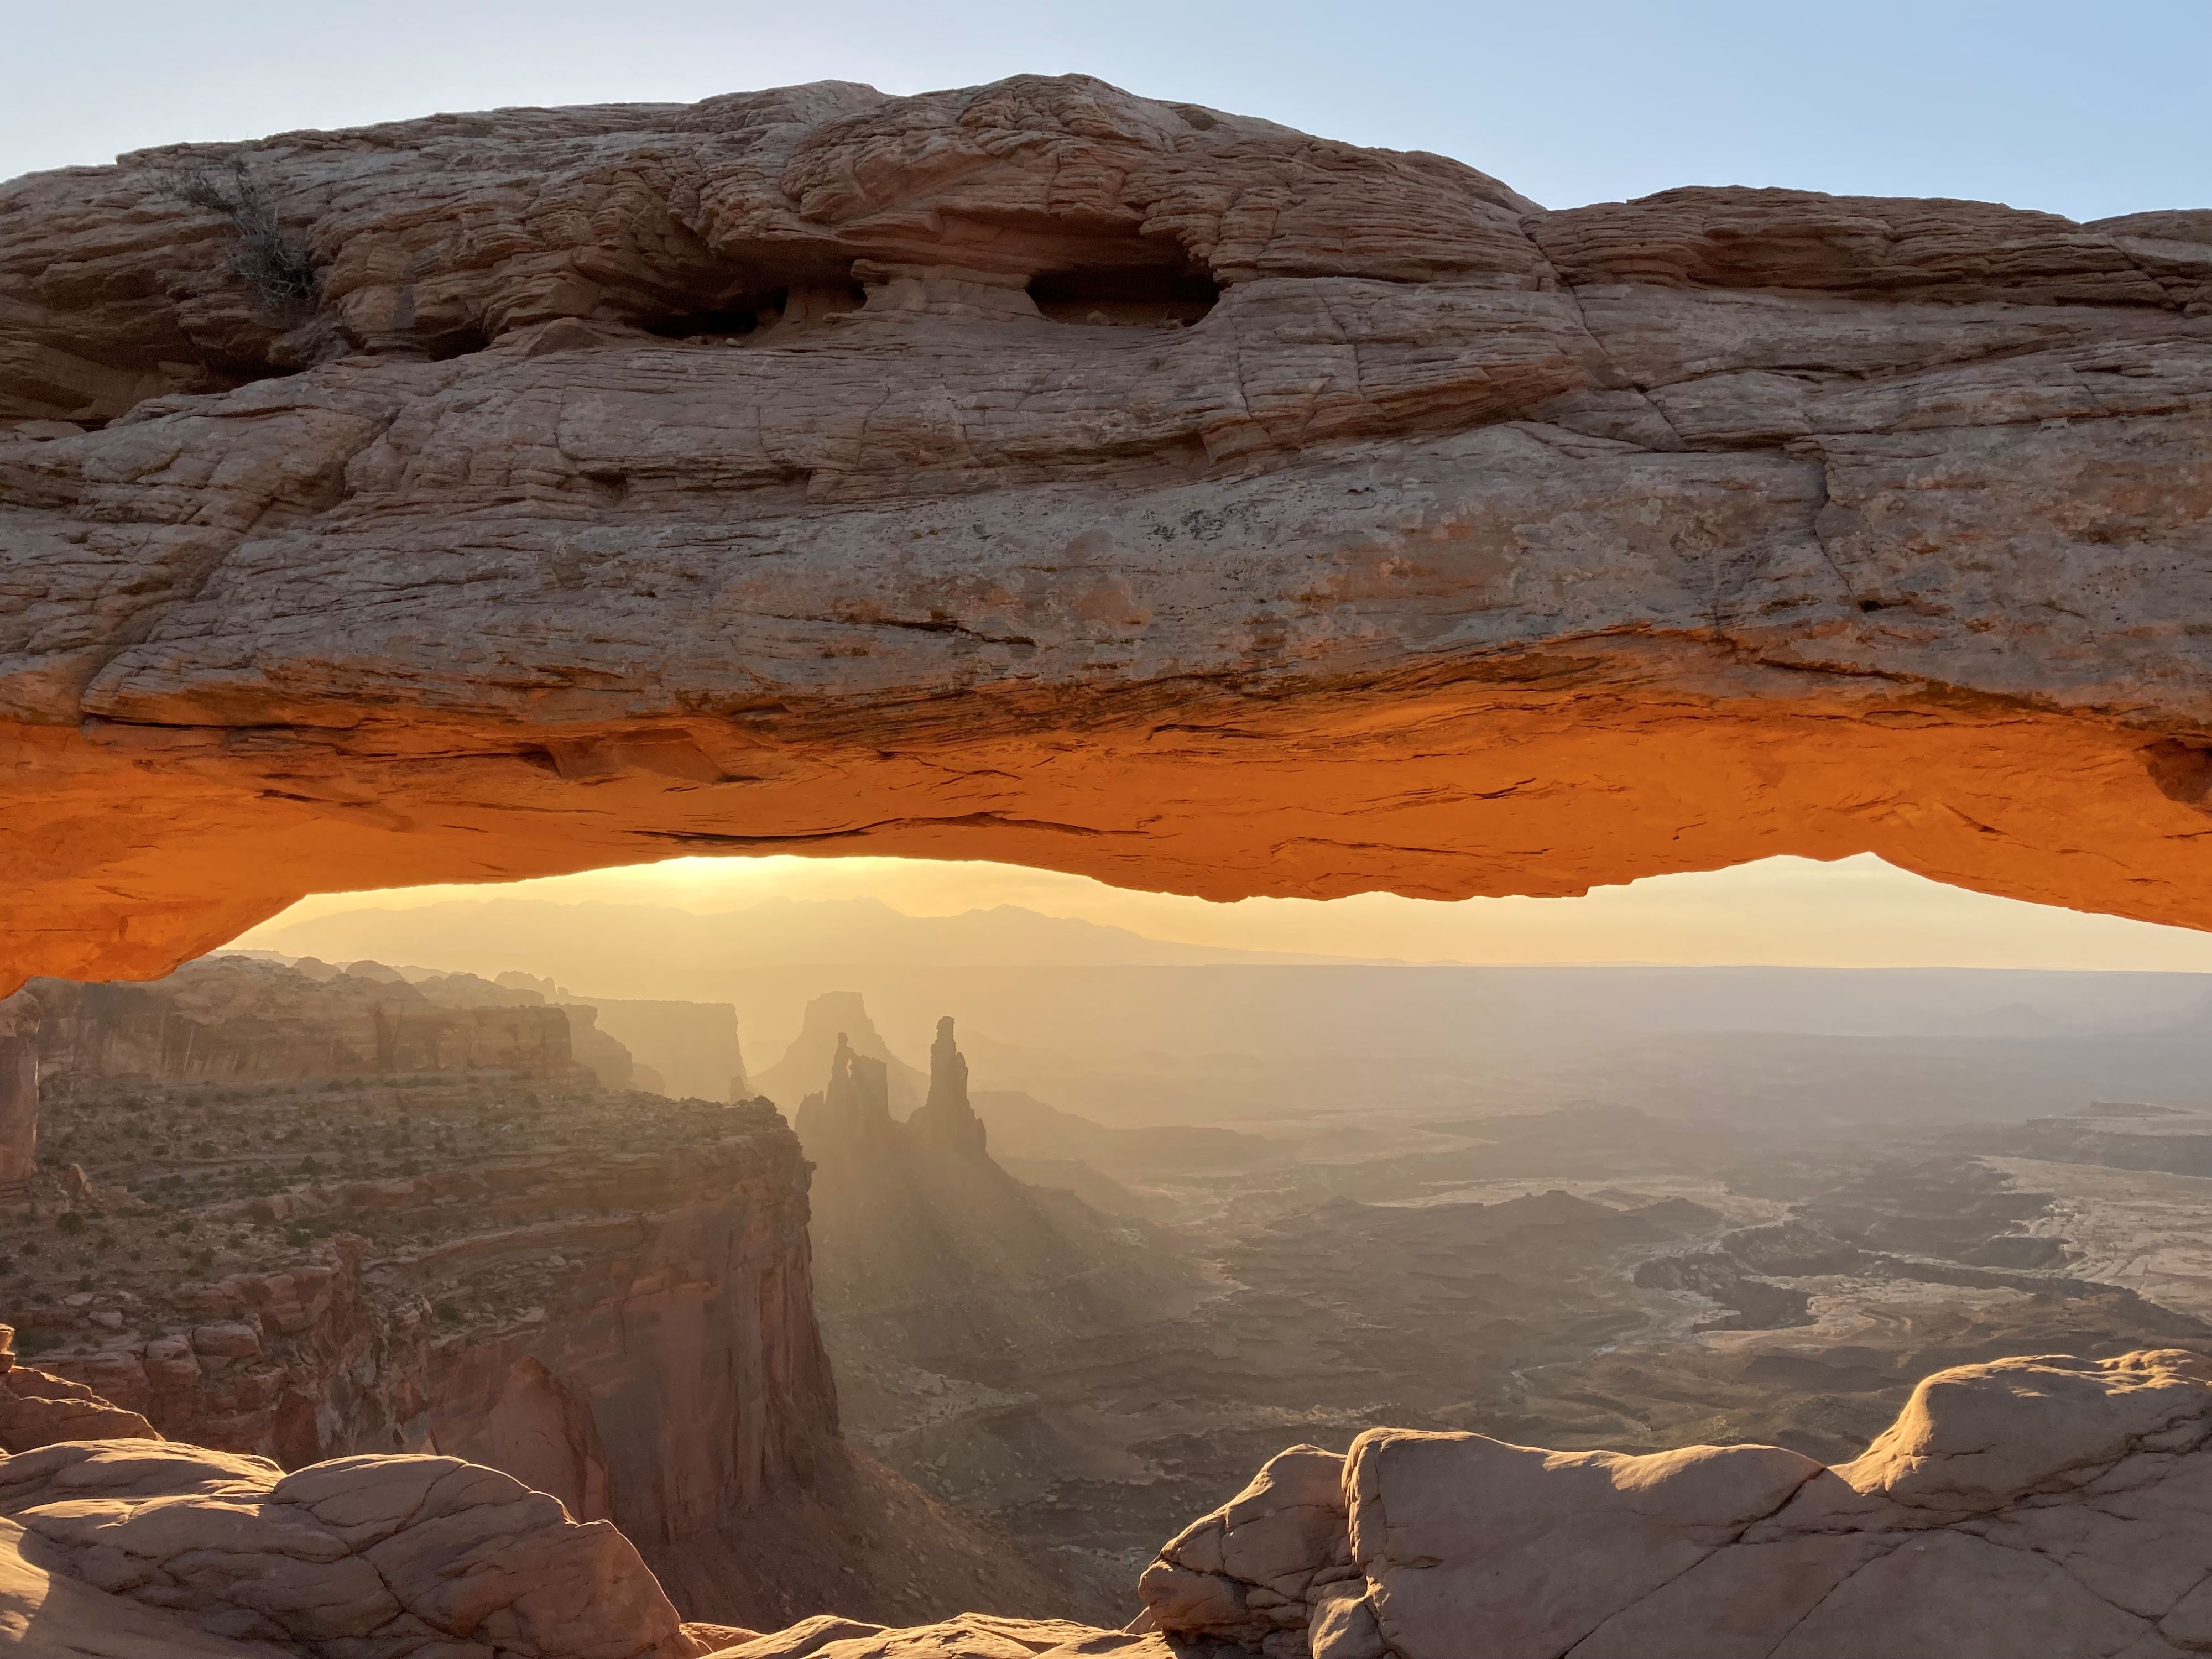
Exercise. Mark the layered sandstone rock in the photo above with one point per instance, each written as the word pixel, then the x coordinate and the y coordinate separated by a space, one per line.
pixel 232 1018
pixel 38 1408
pixel 971 1636
pixel 635 1336
pixel 620 1316
pixel 19 1091
pixel 2035 1506
pixel 137 1550
pixel 1040 472
pixel 597 1050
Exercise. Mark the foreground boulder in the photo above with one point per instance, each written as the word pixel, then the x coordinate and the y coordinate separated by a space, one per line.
pixel 1039 473
pixel 183 1551
pixel 2048 1506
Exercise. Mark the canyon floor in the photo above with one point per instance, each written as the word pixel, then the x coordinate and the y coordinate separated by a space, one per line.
pixel 1047 1359
pixel 1588 1278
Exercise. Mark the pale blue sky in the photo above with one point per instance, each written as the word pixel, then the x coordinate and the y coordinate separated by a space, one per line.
pixel 2087 108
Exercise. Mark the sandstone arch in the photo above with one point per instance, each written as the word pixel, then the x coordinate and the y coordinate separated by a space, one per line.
pixel 659 479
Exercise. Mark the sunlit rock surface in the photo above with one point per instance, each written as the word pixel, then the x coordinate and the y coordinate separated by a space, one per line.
pixel 2027 1507
pixel 1044 473
pixel 2035 1506
pixel 138 1548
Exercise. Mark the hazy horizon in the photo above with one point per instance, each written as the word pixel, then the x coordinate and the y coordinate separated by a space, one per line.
pixel 1785 912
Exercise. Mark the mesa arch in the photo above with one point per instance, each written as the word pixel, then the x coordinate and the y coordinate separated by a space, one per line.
pixel 1042 473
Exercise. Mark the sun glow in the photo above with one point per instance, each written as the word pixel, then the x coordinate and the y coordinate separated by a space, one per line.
pixel 1855 913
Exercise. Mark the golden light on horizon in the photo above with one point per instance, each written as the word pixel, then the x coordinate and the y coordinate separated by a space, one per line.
pixel 1856 912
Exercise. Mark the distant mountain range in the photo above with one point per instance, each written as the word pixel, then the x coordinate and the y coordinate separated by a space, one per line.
pixel 651 950
pixel 1130 1032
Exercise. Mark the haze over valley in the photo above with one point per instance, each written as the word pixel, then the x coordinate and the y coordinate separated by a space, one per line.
pixel 1213 1201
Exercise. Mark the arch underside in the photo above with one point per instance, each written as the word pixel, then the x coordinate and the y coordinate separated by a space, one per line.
pixel 1419 539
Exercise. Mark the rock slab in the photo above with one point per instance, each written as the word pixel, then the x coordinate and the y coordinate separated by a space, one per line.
pixel 377 1557
pixel 1040 472
pixel 2033 1507
pixel 2037 1508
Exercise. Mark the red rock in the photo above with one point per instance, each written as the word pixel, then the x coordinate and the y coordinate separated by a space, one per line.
pixel 1457 547
pixel 228 1340
pixel 39 1409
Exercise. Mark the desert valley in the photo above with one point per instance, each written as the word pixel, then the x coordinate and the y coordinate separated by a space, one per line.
pixel 989 1353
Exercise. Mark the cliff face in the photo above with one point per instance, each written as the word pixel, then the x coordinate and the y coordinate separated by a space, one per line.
pixel 606 1295
pixel 691 1046
pixel 18 1092
pixel 229 1018
pixel 636 1336
pixel 1040 472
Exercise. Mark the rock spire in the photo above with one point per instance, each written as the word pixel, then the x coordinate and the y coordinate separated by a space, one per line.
pixel 854 1113
pixel 945 1122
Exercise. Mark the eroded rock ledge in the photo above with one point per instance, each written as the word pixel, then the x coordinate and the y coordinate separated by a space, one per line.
pixel 2035 1507
pixel 1040 472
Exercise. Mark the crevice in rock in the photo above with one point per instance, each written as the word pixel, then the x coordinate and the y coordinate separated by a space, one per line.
pixel 726 323
pixel 1780 1641
pixel 735 306
pixel 1127 296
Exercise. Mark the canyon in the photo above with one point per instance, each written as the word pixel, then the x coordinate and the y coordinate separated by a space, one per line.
pixel 1090 1359
pixel 605 1294
pixel 1040 472
pixel 611 1298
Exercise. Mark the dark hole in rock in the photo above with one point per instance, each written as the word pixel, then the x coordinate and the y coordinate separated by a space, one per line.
pixel 1128 296
pixel 729 317
pixel 699 324
pixel 458 343
pixel 2181 770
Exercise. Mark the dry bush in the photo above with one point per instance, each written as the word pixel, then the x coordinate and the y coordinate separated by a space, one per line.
pixel 277 267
